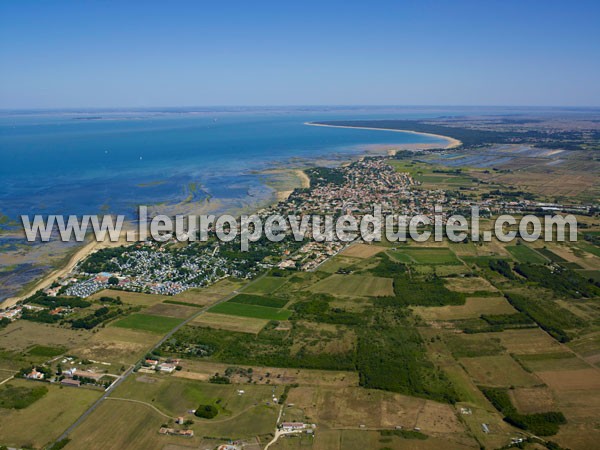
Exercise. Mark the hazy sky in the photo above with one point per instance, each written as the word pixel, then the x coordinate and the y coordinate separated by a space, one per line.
pixel 176 53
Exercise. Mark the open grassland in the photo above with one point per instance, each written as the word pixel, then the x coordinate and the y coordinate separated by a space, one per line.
pixel 425 255
pixel 265 285
pixel 355 286
pixel 44 420
pixel 257 312
pixel 498 371
pixel 473 307
pixel 146 322
pixel 171 310
pixel 363 250
pixel 24 334
pixel 117 345
pixel 231 323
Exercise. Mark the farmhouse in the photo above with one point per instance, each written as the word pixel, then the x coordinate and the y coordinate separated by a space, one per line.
pixel 292 426
pixel 35 375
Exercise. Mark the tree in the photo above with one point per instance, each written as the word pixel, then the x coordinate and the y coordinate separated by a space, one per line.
pixel 113 281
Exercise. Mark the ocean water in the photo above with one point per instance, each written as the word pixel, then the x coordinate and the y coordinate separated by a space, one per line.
pixel 91 162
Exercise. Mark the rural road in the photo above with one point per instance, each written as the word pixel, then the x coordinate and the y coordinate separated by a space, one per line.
pixel 129 371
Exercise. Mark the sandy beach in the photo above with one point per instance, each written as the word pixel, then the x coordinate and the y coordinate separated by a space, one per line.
pixel 452 143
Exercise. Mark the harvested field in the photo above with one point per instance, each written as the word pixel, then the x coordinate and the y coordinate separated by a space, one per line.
pixel 165 309
pixel 355 286
pixel 473 307
pixel 231 323
pixel 568 380
pixel 498 371
pixel 532 400
pixel 540 362
pixel 363 250
pixel 532 340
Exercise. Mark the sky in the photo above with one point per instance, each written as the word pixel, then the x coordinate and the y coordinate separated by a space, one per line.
pixel 61 54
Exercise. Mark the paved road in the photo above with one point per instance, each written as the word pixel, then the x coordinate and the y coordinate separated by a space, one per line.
pixel 129 371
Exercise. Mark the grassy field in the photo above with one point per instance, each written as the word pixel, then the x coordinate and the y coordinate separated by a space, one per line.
pixel 146 322
pixel 118 424
pixel 231 323
pixel 259 300
pixel 425 255
pixel 473 307
pixel 354 285
pixel 265 285
pixel 525 254
pixel 44 420
pixel 117 345
pixel 469 284
pixel 257 312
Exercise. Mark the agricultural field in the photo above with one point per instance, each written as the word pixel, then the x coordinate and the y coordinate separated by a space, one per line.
pixel 425 255
pixel 265 285
pixel 525 254
pixel 171 310
pixel 363 250
pixel 355 286
pixel 473 307
pixel 254 311
pixel 147 322
pixel 131 417
pixel 45 419
pixel 231 323
pixel 469 285
pixel 498 371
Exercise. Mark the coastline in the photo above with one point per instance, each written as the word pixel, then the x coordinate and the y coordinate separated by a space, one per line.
pixel 452 143
pixel 299 177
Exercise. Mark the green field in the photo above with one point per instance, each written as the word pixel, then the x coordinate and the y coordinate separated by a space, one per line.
pixel 43 350
pixel 259 300
pixel 525 254
pixel 265 285
pixel 355 285
pixel 425 255
pixel 244 310
pixel 146 322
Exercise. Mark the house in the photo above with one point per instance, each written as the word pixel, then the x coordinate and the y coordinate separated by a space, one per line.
pixel 35 375
pixel 151 362
pixel 292 426
pixel 70 382
pixel 179 420
pixel 167 368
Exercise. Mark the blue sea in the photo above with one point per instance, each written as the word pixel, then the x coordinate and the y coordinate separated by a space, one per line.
pixel 87 162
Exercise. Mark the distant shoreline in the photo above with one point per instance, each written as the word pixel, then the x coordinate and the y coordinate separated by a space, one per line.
pixel 452 143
